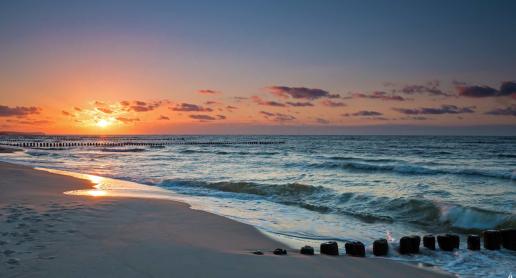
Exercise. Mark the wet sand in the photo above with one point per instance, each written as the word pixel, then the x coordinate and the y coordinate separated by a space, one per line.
pixel 45 233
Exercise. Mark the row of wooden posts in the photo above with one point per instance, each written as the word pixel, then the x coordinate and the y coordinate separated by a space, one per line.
pixel 493 240
pixel 88 138
pixel 130 143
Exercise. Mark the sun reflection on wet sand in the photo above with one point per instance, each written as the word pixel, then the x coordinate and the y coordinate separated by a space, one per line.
pixel 95 193
pixel 96 180
pixel 104 187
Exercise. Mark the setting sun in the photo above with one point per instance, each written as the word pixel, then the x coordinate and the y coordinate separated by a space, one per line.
pixel 102 123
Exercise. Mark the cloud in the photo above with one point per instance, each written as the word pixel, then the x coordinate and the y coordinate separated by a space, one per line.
pixel 444 109
pixel 363 113
pixel 188 107
pixel 380 95
pixel 105 110
pixel 18 111
pixel 211 102
pixel 299 104
pixel 29 122
pixel 240 99
pixel 277 117
pixel 417 118
pixel 431 88
pixel 165 118
pixel 477 91
pixel 207 92
pixel 322 121
pixel 261 101
pixel 230 108
pixel 66 113
pixel 331 103
pixel 268 114
pixel 300 92
pixel 203 117
pixel 140 106
pixel 207 117
pixel 505 111
pixel 283 117
pixel 77 109
pixel 127 120
pixel 507 88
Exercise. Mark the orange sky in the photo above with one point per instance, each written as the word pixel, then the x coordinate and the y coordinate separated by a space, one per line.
pixel 131 94
pixel 77 114
pixel 177 69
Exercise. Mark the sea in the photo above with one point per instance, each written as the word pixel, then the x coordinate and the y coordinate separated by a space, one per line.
pixel 304 190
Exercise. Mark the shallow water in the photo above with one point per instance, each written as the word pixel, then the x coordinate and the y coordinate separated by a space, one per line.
pixel 315 188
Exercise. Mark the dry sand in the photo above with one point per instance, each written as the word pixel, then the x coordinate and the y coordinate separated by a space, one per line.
pixel 44 233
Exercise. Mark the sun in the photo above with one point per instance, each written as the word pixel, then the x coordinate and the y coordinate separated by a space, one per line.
pixel 102 123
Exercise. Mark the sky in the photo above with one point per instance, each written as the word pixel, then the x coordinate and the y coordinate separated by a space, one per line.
pixel 258 67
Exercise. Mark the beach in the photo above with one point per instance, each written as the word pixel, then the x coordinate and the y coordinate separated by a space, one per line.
pixel 45 233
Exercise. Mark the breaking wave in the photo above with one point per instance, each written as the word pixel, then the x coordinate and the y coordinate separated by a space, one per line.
pixel 291 189
pixel 415 169
pixel 365 207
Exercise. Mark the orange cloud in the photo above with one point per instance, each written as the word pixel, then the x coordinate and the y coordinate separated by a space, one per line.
pixel 188 107
pixel 18 111
pixel 207 92
pixel 127 120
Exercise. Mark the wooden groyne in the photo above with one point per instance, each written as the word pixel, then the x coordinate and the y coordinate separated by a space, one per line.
pixel 69 142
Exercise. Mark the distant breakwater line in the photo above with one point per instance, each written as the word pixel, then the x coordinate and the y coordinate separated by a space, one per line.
pixel 68 142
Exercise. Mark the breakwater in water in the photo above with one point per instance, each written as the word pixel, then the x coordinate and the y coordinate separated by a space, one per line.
pixel 80 141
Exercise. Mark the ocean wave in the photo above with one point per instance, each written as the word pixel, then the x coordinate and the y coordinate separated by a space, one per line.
pixel 37 153
pixel 190 151
pixel 474 219
pixel 291 189
pixel 506 155
pixel 219 152
pixel 313 198
pixel 437 215
pixel 399 168
pixel 133 150
pixel 414 169
pixel 424 212
pixel 257 153
pixel 367 208
pixel 362 159
pixel 42 153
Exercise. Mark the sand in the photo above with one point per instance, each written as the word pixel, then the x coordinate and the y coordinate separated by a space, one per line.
pixel 44 233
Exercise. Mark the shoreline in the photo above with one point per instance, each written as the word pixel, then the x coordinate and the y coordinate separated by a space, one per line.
pixel 52 234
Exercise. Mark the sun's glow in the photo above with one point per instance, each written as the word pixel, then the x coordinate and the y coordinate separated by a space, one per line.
pixel 102 123
pixel 97 193
pixel 95 180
